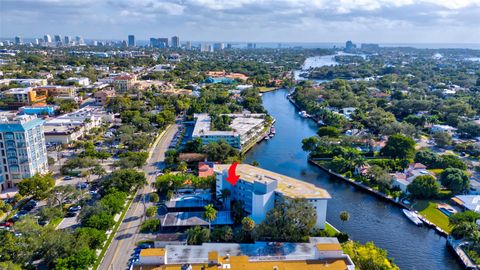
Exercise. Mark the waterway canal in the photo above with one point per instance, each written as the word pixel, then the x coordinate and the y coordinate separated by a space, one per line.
pixel 413 248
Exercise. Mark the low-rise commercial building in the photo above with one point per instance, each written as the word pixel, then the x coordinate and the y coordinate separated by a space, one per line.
pixel 22 148
pixel 244 128
pixel 56 91
pixel 259 189
pixel 24 82
pixel 71 126
pixel 18 97
pixel 320 253
pixel 123 83
pixel 102 96
pixel 38 110
pixel 82 81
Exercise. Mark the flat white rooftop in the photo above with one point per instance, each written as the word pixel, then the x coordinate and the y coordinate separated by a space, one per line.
pixel 241 124
pixel 288 186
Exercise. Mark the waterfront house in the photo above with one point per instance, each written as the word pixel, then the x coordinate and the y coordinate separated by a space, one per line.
pixel 468 202
pixel 403 179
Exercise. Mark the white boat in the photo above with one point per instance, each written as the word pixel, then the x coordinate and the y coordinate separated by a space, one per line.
pixel 413 217
pixel 303 114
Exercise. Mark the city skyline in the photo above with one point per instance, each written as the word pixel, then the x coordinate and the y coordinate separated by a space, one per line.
pixel 301 21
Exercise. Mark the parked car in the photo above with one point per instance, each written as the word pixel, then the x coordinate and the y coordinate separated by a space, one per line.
pixel 67 178
pixel 75 208
pixel 71 214
pixel 82 185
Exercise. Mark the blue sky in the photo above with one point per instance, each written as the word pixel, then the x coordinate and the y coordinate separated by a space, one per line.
pixel 384 21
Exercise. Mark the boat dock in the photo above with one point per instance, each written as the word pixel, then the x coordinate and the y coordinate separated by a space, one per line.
pixel 456 246
pixel 379 195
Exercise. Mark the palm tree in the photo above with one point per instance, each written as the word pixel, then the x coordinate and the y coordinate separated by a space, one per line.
pixel 344 216
pixel 225 197
pixel 248 225
pixel 210 214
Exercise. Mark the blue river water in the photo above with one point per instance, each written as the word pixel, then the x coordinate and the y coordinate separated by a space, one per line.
pixel 371 219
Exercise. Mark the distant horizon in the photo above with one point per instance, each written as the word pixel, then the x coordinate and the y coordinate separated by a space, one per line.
pixel 388 22
pixel 309 44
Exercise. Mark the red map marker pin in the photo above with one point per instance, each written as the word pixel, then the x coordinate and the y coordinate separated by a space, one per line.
pixel 232 177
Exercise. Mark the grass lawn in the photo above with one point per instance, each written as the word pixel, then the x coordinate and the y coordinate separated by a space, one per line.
pixel 330 229
pixel 264 89
pixel 437 172
pixel 429 210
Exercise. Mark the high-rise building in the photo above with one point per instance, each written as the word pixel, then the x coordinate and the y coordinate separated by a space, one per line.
pixel 219 46
pixel 188 45
pixel 22 148
pixel 57 38
pixel 18 40
pixel 131 41
pixel 251 45
pixel 159 42
pixel 349 45
pixel 175 42
pixel 37 41
pixel 79 40
pixel 47 38
pixel 66 40
pixel 206 48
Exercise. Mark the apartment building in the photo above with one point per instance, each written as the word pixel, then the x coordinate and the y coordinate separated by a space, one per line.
pixel 123 83
pixel 62 92
pixel 319 253
pixel 22 148
pixel 18 97
pixel 260 189
pixel 244 128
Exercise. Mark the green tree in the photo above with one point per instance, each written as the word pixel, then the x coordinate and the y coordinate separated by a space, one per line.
pixel 154 197
pixel 238 211
pixel 36 186
pixel 291 220
pixel 442 139
pixel 248 227
pixel 102 221
pixel 210 214
pixel 8 265
pixel 197 235
pixel 328 131
pixel 82 259
pixel 113 202
pixel 93 237
pixel 399 146
pixel 455 179
pixel 380 176
pixel 222 234
pixel 151 211
pixel 124 180
pixel 344 216
pixel 225 195
pixel 368 256
pixel 150 226
pixel 424 187
pixel 310 144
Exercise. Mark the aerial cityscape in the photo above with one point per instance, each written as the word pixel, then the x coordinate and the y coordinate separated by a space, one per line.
pixel 188 135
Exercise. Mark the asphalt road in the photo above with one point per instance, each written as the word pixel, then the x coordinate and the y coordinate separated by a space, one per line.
pixel 119 252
